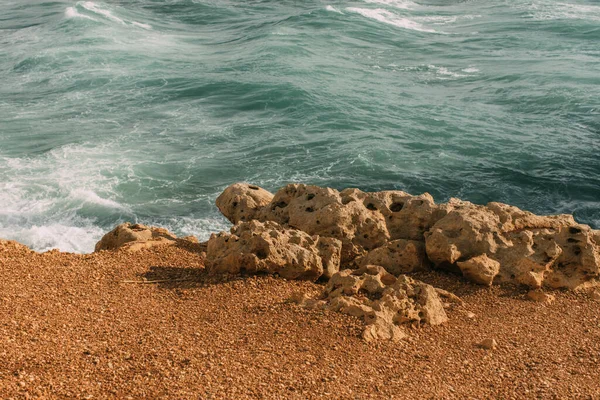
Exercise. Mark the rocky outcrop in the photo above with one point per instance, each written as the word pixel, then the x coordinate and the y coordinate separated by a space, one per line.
pixel 362 221
pixel 256 247
pixel 383 301
pixel 502 243
pixel 134 237
pixel 404 233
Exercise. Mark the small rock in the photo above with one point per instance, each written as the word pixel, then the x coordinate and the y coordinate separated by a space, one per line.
pixel 540 296
pixel 596 295
pixel 470 315
pixel 488 344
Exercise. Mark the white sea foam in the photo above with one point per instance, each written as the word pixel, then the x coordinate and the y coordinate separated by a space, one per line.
pixel 388 17
pixel 403 4
pixel 70 238
pixel 470 70
pixel 93 7
pixel 445 71
pixel 333 9
pixel 90 6
pixel 71 12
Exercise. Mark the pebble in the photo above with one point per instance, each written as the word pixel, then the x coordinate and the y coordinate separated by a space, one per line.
pixel 488 344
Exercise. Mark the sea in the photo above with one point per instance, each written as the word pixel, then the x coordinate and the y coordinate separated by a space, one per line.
pixel 145 110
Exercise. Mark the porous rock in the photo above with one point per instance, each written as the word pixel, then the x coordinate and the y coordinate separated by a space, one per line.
pixel 243 202
pixel 134 237
pixel 256 247
pixel 363 221
pixel 532 250
pixel 398 257
pixel 383 301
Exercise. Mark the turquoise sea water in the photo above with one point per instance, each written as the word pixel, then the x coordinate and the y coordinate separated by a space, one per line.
pixel 146 110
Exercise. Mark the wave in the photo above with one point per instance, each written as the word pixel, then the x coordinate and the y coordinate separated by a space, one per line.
pixel 90 6
pixel 71 12
pixel 388 17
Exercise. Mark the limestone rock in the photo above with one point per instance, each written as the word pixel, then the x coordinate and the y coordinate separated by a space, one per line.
pixel 532 250
pixel 384 301
pixel 398 257
pixel 243 202
pixel 257 247
pixel 134 237
pixel 538 295
pixel 480 269
pixel 362 221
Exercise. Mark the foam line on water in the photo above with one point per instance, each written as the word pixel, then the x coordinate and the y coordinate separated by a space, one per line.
pixel 388 17
pixel 90 6
pixel 402 4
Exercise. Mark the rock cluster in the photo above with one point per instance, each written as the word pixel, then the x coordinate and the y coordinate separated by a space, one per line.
pixel 404 233
pixel 134 237
pixel 257 247
pixel 384 301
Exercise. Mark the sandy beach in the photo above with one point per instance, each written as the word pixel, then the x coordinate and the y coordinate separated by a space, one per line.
pixel 80 326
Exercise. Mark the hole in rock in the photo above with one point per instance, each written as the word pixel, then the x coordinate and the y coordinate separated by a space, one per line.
pixel 576 250
pixel 371 207
pixel 309 209
pixel 280 204
pixel 417 202
pixel 253 187
pixel 234 204
pixel 261 254
pixel 571 240
pixel 574 231
pixel 395 207
pixel 310 196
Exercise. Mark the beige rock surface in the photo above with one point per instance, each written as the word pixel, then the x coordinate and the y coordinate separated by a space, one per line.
pixel 257 247
pixel 243 202
pixel 486 244
pixel 383 301
pixel 134 237
pixel 532 250
pixel 480 269
pixel 399 256
pixel 362 221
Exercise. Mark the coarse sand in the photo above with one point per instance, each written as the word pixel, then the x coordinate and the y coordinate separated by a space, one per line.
pixel 84 327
